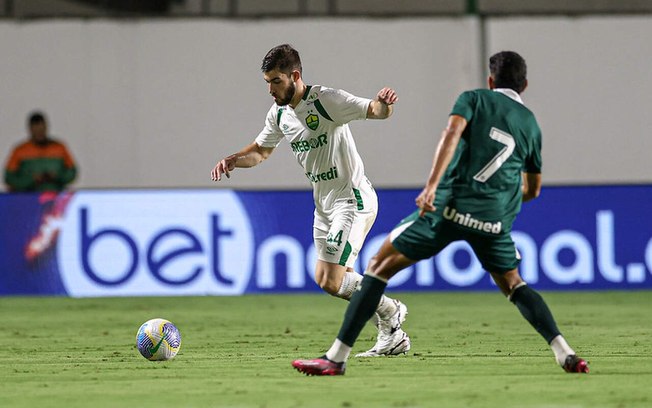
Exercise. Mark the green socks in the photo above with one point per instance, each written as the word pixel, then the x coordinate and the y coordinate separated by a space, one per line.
pixel 534 309
pixel 362 307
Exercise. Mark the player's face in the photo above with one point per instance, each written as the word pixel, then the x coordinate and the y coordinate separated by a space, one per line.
pixel 281 86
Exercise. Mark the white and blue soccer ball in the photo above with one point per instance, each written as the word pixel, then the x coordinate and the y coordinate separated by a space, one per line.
pixel 158 340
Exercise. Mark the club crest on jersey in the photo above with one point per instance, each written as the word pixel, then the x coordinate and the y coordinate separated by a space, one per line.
pixel 312 121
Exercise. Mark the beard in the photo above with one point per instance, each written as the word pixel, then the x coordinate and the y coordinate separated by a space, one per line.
pixel 287 98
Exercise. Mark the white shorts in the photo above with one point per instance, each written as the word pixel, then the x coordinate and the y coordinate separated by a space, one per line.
pixel 339 236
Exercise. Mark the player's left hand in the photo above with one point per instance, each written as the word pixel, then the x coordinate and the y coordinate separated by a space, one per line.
pixel 387 96
pixel 425 201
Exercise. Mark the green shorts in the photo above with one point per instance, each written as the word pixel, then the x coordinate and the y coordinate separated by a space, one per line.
pixel 422 237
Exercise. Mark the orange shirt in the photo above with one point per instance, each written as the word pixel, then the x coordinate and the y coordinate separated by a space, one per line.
pixel 40 167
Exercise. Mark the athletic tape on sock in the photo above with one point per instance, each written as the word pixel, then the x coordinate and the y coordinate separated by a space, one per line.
pixel 350 283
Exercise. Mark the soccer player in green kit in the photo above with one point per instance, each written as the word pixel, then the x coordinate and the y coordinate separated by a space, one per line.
pixel 487 162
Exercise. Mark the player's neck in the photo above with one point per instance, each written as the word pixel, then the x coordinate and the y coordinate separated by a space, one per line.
pixel 298 94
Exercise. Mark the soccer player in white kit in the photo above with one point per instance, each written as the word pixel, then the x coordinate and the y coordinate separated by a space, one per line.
pixel 314 121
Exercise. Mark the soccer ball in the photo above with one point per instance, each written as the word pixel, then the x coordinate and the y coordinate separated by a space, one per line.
pixel 158 340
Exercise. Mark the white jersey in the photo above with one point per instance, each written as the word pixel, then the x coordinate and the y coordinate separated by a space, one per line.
pixel 320 138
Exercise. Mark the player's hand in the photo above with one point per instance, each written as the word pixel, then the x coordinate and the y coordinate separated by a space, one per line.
pixel 50 176
pixel 425 201
pixel 387 96
pixel 38 178
pixel 42 178
pixel 224 166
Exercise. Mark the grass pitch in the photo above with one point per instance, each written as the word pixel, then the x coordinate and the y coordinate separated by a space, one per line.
pixel 468 350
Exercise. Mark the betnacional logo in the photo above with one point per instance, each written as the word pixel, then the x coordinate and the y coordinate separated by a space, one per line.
pixel 155 243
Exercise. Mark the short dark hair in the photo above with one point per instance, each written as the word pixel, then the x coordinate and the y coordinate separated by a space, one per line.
pixel 508 70
pixel 282 57
pixel 36 117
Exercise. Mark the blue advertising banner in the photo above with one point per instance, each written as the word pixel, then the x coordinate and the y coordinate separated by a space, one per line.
pixel 222 242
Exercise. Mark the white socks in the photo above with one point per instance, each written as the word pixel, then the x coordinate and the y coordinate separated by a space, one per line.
pixel 561 349
pixel 338 352
pixel 350 283
pixel 386 308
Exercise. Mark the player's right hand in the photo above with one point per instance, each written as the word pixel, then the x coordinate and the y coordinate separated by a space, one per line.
pixel 425 201
pixel 224 166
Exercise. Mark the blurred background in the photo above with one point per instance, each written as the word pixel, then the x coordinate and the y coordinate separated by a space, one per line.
pixel 149 95
pixel 152 93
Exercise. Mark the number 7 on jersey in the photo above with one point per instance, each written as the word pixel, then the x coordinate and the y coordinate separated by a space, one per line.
pixel 500 158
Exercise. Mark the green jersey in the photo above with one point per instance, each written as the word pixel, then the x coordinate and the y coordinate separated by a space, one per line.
pixel 502 139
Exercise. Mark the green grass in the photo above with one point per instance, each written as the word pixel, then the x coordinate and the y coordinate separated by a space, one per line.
pixel 469 350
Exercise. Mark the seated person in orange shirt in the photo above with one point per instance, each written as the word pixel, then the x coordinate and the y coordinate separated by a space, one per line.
pixel 41 163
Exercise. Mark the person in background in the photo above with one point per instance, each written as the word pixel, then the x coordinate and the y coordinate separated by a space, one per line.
pixel 41 163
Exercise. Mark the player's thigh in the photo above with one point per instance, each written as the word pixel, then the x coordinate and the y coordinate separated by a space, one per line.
pixel 340 236
pixel 497 255
pixel 420 237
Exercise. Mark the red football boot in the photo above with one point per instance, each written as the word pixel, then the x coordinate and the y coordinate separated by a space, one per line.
pixel 574 364
pixel 319 366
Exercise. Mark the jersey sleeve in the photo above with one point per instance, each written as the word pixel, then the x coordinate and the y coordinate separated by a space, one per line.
pixel 271 134
pixel 341 106
pixel 16 177
pixel 69 171
pixel 13 163
pixel 465 105
pixel 533 162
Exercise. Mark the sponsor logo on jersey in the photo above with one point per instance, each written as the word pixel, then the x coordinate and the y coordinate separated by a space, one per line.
pixel 312 121
pixel 331 174
pixel 466 220
pixel 312 143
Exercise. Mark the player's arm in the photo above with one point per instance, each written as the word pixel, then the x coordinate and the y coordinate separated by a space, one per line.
pixel 381 107
pixel 531 186
pixel 450 138
pixel 250 156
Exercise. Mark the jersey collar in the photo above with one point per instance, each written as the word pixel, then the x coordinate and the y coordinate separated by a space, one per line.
pixel 305 94
pixel 510 93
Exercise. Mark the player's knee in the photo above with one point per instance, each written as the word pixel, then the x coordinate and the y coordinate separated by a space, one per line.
pixel 327 282
pixel 329 286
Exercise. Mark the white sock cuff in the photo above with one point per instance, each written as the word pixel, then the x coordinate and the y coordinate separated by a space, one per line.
pixel 338 352
pixel 520 285
pixel 367 273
